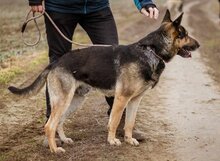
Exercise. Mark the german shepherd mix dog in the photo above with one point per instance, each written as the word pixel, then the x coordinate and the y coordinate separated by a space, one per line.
pixel 124 71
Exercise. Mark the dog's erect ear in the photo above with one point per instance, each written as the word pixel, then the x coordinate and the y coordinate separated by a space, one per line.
pixel 167 17
pixel 177 22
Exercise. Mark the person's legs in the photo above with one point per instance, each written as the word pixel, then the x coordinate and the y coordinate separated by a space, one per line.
pixel 58 46
pixel 101 28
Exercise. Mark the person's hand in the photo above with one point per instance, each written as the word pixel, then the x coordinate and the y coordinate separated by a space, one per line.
pixel 150 11
pixel 37 8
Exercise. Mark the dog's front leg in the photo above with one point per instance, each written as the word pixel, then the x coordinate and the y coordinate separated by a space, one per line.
pixel 131 111
pixel 119 105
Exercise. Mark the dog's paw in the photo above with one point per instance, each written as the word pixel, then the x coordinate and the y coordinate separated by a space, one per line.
pixel 131 141
pixel 67 140
pixel 114 141
pixel 59 150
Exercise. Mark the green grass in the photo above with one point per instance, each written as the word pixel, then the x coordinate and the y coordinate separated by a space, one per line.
pixel 2 157
pixel 7 75
pixel 42 59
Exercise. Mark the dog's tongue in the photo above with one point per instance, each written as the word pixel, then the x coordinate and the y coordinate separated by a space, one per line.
pixel 184 53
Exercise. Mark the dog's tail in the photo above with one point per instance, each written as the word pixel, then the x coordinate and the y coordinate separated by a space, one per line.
pixel 35 87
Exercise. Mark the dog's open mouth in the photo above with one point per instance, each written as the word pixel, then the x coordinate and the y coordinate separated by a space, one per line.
pixel 184 53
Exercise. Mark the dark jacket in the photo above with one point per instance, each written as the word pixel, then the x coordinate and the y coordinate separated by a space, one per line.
pixel 81 6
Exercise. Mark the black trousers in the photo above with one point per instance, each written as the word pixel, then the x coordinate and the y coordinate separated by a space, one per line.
pixel 100 27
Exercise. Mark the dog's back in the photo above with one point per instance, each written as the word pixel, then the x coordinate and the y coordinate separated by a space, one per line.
pixel 101 66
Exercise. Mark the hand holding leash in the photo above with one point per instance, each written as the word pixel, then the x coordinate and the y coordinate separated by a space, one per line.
pixel 151 11
pixel 37 8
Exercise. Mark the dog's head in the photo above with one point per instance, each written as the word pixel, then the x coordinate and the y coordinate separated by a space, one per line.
pixel 171 39
pixel 181 43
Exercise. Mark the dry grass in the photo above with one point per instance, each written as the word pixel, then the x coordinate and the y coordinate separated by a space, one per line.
pixel 16 67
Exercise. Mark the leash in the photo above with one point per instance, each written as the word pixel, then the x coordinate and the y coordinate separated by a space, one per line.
pixel 33 18
pixel 154 53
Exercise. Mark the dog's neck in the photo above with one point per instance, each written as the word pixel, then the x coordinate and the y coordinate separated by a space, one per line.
pixel 151 50
pixel 158 42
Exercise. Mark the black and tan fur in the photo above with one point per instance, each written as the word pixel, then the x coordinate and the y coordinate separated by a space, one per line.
pixel 125 72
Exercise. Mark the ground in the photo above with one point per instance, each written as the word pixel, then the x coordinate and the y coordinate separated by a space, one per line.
pixel 180 117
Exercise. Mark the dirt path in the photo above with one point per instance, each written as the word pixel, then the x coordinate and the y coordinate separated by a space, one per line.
pixel 180 117
pixel 193 102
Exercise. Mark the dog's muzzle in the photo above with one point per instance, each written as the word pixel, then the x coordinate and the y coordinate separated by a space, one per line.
pixel 185 51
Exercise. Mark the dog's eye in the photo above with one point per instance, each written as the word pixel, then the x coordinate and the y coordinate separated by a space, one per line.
pixel 181 35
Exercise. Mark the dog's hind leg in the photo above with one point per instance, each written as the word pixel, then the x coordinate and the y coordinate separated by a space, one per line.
pixel 61 87
pixel 58 108
pixel 131 111
pixel 76 102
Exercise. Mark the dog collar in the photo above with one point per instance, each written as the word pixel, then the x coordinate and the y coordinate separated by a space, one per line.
pixel 154 53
